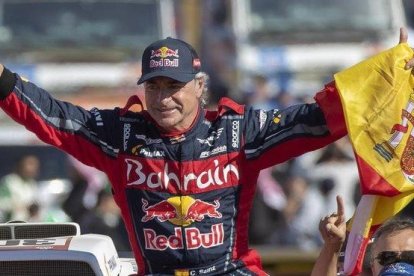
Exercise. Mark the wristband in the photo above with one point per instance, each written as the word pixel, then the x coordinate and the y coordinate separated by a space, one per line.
pixel 7 83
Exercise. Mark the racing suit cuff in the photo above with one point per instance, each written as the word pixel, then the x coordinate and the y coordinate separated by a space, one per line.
pixel 329 101
pixel 7 83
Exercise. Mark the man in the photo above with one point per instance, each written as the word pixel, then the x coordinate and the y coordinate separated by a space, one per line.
pixel 19 190
pixel 393 248
pixel 183 177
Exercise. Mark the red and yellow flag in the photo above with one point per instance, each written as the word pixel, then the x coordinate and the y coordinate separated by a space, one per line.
pixel 377 97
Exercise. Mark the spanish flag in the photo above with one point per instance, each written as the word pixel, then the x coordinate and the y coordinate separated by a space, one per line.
pixel 377 97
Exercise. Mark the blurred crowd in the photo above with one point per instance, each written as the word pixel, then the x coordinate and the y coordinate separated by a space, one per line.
pixel 292 197
pixel 87 201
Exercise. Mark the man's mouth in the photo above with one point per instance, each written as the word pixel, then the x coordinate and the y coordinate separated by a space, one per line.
pixel 166 111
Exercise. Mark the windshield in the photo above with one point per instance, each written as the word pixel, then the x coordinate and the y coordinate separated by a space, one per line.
pixel 42 25
pixel 317 16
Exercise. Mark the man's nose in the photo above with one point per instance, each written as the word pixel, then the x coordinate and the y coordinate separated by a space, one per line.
pixel 164 95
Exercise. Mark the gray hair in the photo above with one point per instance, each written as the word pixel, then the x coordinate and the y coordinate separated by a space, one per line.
pixel 204 95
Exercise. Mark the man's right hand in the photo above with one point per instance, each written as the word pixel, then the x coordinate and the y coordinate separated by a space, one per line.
pixel 333 231
pixel 1 69
pixel 333 227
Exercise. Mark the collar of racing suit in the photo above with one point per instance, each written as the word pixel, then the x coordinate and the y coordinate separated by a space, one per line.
pixel 176 135
pixel 179 133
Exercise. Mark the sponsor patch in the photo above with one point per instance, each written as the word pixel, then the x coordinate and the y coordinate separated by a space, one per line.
pixel 180 210
pixel 210 139
pixel 276 117
pixel 161 58
pixel 190 236
pixel 177 139
pixel 98 117
pixel 146 140
pixel 163 175
pixel 215 151
pixel 262 119
pixel 127 133
pixel 235 129
pixel 153 153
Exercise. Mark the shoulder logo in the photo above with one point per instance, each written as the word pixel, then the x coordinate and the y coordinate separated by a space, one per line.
pixel 127 133
pixel 235 133
pixel 276 116
pixel 210 139
pixel 98 117
pixel 262 119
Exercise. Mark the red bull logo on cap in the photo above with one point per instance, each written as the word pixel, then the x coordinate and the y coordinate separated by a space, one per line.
pixel 161 58
pixel 164 52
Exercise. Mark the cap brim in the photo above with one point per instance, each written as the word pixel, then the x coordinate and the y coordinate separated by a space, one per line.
pixel 178 76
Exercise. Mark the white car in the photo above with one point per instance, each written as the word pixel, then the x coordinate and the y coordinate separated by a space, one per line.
pixel 58 249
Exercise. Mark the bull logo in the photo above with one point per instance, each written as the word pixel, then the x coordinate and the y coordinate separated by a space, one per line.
pixel 199 209
pixel 164 52
pixel 181 211
pixel 163 211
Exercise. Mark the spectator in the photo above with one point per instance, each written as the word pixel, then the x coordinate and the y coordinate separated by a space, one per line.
pixel 261 96
pixel 87 182
pixel 268 204
pixel 335 173
pixel 34 213
pixel 393 243
pixel 305 205
pixel 218 49
pixel 105 219
pixel 18 190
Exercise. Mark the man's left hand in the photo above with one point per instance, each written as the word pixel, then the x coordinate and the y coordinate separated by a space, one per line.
pixel 403 39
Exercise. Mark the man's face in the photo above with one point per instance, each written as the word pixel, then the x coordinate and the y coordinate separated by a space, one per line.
pixel 397 241
pixel 173 104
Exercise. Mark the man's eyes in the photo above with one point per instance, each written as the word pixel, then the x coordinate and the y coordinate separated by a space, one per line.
pixel 176 85
pixel 150 87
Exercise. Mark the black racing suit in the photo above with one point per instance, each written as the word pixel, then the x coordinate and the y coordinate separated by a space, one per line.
pixel 185 199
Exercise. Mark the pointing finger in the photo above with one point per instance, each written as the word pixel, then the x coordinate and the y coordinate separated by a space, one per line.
pixel 340 209
pixel 403 35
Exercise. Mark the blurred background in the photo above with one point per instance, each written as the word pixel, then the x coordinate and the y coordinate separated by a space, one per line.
pixel 266 53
